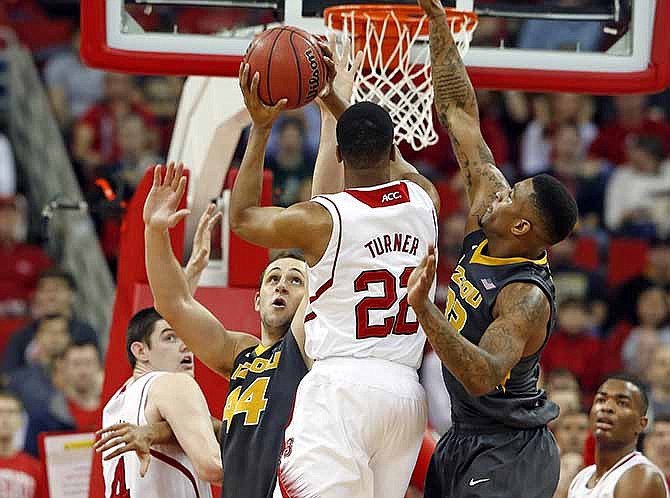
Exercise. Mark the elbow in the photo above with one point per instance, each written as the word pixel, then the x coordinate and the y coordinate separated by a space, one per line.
pixel 236 220
pixel 210 470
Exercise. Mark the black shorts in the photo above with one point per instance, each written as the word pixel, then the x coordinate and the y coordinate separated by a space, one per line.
pixel 470 463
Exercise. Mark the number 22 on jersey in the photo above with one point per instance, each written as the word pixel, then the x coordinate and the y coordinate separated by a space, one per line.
pixel 397 324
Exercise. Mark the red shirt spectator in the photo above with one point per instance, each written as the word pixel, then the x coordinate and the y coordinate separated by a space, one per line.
pixel 85 419
pixel 104 123
pixel 631 120
pixel 21 263
pixel 571 347
pixel 21 476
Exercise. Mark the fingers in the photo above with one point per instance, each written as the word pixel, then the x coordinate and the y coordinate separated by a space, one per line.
pixel 253 91
pixel 181 188
pixel 113 443
pixel 175 218
pixel 144 464
pixel 177 175
pixel 157 175
pixel 279 106
pixel 112 428
pixel 169 175
pixel 119 451
pixel 358 60
pixel 332 46
pixel 214 220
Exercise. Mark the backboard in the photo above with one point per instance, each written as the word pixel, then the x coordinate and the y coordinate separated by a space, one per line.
pixel 593 46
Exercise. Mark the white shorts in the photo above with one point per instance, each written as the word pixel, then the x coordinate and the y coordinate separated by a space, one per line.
pixel 356 431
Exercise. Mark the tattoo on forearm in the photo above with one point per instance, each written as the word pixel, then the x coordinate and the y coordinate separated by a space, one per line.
pixel 476 369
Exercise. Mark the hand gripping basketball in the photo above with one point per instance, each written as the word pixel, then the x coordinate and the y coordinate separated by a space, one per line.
pixel 263 116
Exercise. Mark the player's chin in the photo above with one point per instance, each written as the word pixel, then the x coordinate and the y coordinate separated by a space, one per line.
pixel 187 369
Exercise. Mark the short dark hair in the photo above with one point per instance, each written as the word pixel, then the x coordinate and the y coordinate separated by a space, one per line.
pixel 281 254
pixel 555 206
pixel 5 393
pixel 364 134
pixel 140 327
pixel 652 145
pixel 57 272
pixel 82 343
pixel 641 386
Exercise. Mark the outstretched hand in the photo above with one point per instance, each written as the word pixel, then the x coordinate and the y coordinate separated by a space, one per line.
pixel 160 208
pixel 421 280
pixel 201 246
pixel 344 71
pixel 262 115
pixel 432 8
pixel 123 438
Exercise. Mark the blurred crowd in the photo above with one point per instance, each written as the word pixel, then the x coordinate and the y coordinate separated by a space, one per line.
pixel 612 275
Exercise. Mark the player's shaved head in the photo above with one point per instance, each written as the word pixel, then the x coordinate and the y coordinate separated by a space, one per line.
pixel 555 206
pixel 364 135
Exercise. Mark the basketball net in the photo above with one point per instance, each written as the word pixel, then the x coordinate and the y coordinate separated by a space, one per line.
pixel 396 69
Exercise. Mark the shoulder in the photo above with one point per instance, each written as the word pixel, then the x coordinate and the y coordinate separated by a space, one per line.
pixel 524 301
pixel 640 481
pixel 426 186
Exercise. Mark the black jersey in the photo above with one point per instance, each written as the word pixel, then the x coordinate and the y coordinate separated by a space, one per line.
pixel 259 403
pixel 473 289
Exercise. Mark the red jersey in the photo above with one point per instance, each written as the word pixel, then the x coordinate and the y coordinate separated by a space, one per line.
pixel 22 476
pixel 85 420
pixel 19 271
pixel 105 130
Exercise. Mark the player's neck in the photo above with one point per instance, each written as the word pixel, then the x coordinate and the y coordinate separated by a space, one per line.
pixel 366 177
pixel 7 447
pixel 607 457
pixel 511 248
pixel 270 336
pixel 141 369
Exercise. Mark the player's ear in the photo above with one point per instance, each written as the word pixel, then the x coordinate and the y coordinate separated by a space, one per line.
pixel 338 154
pixel 521 227
pixel 257 301
pixel 139 349
pixel 644 421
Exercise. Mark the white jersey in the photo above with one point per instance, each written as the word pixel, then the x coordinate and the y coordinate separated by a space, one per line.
pixel 604 488
pixel 358 290
pixel 171 473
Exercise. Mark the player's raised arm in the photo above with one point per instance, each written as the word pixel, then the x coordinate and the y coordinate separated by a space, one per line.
pixel 180 402
pixel 305 225
pixel 519 309
pixel 458 112
pixel 198 328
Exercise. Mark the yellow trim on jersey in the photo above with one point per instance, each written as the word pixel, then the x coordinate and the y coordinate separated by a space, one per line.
pixel 483 259
pixel 260 349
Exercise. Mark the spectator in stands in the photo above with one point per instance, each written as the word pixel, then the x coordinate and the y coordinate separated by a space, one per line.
pixel 637 200
pixel 570 430
pixel 541 34
pixel 32 381
pixel 552 111
pixel 573 347
pixel 651 332
pixel 291 164
pixel 657 445
pixel 657 272
pixel 631 119
pixel 21 475
pixel 135 156
pixel 7 168
pixel 96 134
pixel 21 263
pixel 55 295
pixel 658 375
pixel 561 379
pixel 586 180
pixel 571 464
pixel 74 400
pixel 568 400
pixel 574 282
pixel 161 95
pixel 310 116
pixel 72 86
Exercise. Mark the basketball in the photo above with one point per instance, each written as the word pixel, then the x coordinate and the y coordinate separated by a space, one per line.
pixel 290 66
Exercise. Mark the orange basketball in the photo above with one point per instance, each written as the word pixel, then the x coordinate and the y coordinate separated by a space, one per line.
pixel 290 65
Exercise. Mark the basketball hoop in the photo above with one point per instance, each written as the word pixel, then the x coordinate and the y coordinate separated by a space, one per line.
pixel 387 35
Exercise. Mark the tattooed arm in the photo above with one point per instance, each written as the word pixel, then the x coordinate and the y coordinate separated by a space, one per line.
pixel 458 112
pixel 520 316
